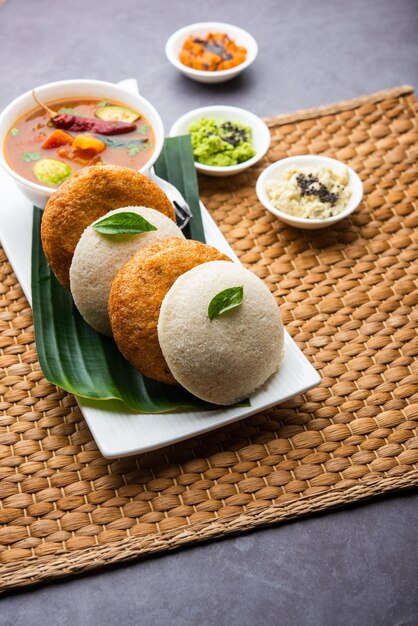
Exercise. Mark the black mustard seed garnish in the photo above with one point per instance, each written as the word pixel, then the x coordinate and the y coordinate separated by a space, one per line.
pixel 310 186
pixel 233 134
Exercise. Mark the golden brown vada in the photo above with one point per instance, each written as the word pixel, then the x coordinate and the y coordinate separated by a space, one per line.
pixel 86 196
pixel 137 292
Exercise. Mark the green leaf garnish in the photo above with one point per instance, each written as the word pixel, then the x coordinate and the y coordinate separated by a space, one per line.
pixel 116 143
pixel 103 103
pixel 14 132
pixel 125 223
pixel 31 156
pixel 225 301
pixel 144 129
pixel 137 146
pixel 69 111
pixel 133 148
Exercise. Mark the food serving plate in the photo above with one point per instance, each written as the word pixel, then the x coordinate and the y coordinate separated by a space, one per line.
pixel 118 431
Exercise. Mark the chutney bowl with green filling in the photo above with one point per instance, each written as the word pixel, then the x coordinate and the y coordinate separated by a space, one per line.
pixel 221 114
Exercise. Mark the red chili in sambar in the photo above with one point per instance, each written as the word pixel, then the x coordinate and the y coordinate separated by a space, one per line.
pixel 43 154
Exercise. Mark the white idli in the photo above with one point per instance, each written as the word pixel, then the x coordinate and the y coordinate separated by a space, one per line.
pixel 225 359
pixel 98 258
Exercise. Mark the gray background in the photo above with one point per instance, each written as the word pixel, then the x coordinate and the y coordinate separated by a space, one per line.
pixel 353 566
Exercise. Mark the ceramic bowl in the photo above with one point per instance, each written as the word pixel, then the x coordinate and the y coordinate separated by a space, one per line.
pixel 239 35
pixel 260 134
pixel 273 172
pixel 39 194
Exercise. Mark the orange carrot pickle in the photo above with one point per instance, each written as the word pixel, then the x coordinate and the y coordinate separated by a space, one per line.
pixel 214 52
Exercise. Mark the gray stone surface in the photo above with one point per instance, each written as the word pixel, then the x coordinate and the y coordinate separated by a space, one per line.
pixel 354 566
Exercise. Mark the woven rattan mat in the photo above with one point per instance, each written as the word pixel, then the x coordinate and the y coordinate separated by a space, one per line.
pixel 347 295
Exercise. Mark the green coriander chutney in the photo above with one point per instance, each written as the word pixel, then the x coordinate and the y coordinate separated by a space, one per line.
pixel 220 143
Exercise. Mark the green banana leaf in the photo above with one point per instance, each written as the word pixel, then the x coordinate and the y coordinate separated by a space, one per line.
pixel 176 164
pixel 72 355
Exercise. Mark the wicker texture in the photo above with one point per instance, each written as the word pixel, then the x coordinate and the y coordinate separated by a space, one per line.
pixel 348 297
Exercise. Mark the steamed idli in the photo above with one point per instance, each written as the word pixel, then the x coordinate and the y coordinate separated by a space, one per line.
pixel 225 359
pixel 136 295
pixel 87 195
pixel 97 259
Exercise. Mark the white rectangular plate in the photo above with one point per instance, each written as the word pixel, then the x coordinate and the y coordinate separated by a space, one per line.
pixel 117 431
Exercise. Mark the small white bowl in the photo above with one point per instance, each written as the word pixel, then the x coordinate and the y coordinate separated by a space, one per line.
pixel 273 172
pixel 39 194
pixel 259 130
pixel 239 35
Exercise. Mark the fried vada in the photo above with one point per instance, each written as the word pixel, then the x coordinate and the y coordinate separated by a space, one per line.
pixel 87 195
pixel 137 292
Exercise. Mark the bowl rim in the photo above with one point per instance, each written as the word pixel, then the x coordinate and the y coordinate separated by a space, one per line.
pixel 252 50
pixel 201 111
pixel 354 181
pixel 62 83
